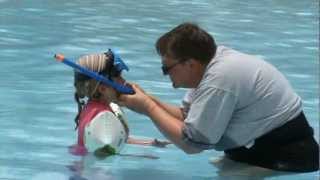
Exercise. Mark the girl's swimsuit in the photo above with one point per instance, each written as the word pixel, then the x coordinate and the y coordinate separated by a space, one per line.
pixel 91 109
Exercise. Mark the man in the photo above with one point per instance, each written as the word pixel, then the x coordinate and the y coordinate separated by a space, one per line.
pixel 237 103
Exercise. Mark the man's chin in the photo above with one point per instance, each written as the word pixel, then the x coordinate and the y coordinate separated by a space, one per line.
pixel 174 85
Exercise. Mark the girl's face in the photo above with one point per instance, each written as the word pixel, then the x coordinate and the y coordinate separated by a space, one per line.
pixel 108 93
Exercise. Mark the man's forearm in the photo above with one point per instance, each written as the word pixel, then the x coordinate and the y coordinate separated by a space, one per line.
pixel 171 109
pixel 170 126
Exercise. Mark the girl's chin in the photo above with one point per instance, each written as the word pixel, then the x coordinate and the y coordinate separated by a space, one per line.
pixel 115 100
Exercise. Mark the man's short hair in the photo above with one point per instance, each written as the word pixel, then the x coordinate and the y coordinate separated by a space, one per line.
pixel 187 41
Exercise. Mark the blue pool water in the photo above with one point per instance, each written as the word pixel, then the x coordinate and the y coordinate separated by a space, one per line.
pixel 37 107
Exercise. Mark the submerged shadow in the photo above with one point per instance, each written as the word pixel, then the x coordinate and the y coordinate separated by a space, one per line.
pixel 228 169
pixel 85 169
pixel 225 169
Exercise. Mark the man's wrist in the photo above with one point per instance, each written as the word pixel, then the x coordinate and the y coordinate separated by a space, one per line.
pixel 150 106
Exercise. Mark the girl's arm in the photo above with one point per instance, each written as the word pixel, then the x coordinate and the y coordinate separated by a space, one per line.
pixel 148 142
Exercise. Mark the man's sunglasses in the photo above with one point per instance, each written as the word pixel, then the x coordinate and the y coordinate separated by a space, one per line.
pixel 166 69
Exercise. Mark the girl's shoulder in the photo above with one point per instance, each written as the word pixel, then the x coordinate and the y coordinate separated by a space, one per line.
pixel 93 108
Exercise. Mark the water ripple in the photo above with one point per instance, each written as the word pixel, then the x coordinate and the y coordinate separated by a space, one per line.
pixel 37 105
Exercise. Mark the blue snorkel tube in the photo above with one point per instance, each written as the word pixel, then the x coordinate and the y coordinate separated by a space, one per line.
pixel 118 63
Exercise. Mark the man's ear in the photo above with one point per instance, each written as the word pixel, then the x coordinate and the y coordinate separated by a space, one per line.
pixel 196 67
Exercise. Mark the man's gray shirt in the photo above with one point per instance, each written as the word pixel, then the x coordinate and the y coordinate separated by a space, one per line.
pixel 240 98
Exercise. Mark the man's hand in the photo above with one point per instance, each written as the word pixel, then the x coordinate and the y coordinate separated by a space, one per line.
pixel 139 102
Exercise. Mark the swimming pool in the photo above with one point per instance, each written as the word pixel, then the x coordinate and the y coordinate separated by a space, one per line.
pixel 37 107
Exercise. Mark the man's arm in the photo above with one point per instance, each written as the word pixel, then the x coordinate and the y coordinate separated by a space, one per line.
pixel 173 110
pixel 170 126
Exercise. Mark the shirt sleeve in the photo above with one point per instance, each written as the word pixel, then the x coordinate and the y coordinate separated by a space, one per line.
pixel 186 102
pixel 209 115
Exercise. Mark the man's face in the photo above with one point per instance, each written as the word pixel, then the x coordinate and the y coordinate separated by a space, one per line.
pixel 177 71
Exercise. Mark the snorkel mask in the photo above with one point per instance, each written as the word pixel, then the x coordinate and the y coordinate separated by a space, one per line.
pixel 114 70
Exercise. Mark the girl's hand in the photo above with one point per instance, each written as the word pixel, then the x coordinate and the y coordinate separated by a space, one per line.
pixel 160 144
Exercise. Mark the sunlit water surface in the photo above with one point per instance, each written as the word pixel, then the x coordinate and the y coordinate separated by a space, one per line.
pixel 37 107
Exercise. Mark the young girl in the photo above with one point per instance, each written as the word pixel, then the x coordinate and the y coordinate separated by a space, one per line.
pixel 100 105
